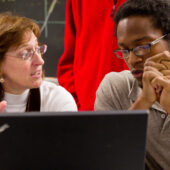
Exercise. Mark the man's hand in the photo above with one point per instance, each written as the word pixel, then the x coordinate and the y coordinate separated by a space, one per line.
pixel 149 92
pixel 164 94
pixel 161 83
pixel 148 96
pixel 3 105
pixel 157 66
pixel 161 62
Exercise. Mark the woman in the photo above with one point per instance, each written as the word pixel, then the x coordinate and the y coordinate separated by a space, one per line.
pixel 21 85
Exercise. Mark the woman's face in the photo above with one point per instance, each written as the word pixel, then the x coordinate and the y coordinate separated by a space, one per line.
pixel 20 74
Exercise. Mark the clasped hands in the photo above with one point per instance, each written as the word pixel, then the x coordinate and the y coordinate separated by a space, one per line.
pixel 156 80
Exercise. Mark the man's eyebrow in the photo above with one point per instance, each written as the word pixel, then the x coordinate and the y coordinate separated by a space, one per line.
pixel 142 39
pixel 146 38
pixel 122 45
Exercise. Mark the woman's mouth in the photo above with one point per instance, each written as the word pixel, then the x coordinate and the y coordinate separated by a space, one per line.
pixel 36 74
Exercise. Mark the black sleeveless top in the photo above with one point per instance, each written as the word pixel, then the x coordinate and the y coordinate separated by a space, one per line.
pixel 34 99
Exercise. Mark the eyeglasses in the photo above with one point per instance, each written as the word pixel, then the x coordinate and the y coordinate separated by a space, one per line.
pixel 138 51
pixel 27 55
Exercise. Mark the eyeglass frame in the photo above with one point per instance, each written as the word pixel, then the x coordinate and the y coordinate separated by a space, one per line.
pixel 133 49
pixel 32 52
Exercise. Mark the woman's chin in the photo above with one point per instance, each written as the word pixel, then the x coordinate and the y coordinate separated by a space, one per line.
pixel 37 84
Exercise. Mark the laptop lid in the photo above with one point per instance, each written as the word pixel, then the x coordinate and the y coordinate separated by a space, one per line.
pixel 73 140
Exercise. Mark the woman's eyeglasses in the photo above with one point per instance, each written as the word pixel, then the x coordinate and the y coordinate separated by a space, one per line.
pixel 29 54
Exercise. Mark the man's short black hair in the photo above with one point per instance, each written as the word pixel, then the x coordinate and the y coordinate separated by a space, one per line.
pixel 157 10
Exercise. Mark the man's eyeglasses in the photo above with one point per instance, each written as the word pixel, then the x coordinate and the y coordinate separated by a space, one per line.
pixel 29 54
pixel 138 51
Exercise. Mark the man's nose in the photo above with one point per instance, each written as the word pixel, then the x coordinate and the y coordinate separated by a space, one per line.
pixel 133 59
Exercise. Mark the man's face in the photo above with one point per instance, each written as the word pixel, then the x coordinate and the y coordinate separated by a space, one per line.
pixel 136 31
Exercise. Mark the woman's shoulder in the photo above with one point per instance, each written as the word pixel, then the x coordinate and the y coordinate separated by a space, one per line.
pixel 57 96
pixel 50 88
pixel 47 85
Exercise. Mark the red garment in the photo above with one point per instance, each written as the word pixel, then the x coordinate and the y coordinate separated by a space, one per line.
pixel 89 46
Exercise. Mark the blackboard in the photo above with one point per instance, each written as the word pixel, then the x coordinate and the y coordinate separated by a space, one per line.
pixel 52 11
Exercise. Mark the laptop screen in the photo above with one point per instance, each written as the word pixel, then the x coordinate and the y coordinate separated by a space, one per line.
pixel 73 140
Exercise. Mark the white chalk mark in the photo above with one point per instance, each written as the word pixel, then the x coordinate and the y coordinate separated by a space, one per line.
pixel 53 3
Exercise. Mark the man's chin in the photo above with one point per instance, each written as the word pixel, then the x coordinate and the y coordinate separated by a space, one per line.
pixel 140 85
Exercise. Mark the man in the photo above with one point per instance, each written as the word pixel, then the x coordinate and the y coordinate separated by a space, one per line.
pixel 89 45
pixel 142 30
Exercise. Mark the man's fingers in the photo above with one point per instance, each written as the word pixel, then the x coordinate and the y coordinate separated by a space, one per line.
pixel 165 63
pixel 153 69
pixel 162 82
pixel 161 60
pixel 149 75
pixel 158 66
pixel 164 56
pixel 166 72
pixel 166 77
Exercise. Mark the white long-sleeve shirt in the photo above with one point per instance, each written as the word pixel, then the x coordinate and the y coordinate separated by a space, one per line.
pixel 53 98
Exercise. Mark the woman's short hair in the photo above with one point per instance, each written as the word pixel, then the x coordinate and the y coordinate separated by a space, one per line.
pixel 12 28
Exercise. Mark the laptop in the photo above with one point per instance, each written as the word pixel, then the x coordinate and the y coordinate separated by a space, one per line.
pixel 73 140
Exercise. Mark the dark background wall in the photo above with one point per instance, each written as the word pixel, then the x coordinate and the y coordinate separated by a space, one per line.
pixel 53 32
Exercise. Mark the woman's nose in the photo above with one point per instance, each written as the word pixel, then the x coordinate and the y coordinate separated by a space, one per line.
pixel 38 59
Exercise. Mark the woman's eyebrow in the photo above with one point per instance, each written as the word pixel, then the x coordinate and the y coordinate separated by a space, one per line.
pixel 27 46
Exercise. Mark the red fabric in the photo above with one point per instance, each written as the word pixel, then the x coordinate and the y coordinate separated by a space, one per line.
pixel 88 53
